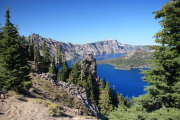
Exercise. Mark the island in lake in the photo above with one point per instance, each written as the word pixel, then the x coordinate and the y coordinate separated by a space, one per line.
pixel 134 59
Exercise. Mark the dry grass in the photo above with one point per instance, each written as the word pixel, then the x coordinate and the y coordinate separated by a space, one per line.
pixel 53 108
pixel 48 90
pixel 18 96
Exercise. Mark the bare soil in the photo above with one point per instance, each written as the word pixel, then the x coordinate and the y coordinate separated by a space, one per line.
pixel 13 109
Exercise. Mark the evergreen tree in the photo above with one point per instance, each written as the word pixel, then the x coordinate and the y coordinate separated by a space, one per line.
pixel 53 68
pixel 105 100
pixel 75 73
pixel 90 89
pixel 63 73
pixel 114 96
pixel 46 57
pixel 13 60
pixel 82 79
pixel 1 33
pixel 37 57
pixel 164 77
pixel 102 84
pixel 60 75
pixel 31 48
pixel 60 56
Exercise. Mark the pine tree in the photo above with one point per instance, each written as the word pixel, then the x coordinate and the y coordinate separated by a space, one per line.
pixel 90 89
pixel 114 96
pixel 164 77
pixel 53 68
pixel 82 79
pixel 60 56
pixel 60 75
pixel 102 84
pixel 37 57
pixel 63 73
pixel 46 57
pixel 31 48
pixel 105 100
pixel 1 33
pixel 75 73
pixel 13 58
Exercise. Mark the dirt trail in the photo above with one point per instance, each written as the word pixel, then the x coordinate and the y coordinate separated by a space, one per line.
pixel 13 109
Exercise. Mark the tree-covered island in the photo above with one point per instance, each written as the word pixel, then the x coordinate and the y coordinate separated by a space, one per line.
pixel 135 59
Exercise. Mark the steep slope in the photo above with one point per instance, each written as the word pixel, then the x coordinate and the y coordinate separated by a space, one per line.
pixel 13 109
pixel 74 50
pixel 71 97
pixel 59 99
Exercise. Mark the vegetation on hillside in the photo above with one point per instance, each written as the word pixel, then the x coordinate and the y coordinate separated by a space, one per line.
pixel 162 100
pixel 135 59
pixel 14 68
pixel 19 58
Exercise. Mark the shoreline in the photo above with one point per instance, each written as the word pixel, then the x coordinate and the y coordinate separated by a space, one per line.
pixel 127 69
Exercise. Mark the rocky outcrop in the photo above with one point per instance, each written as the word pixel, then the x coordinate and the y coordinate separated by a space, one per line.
pixel 75 92
pixel 74 50
pixel 88 65
pixel 81 95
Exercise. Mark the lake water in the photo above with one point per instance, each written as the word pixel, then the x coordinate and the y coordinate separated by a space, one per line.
pixel 127 82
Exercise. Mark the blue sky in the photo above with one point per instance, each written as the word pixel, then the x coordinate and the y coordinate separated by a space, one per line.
pixel 86 21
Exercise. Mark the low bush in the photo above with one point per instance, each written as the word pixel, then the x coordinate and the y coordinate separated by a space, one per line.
pixel 20 97
pixel 53 109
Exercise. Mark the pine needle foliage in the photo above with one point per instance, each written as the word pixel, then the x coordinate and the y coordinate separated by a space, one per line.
pixel 53 68
pixel 14 68
pixel 105 100
pixel 162 100
pixel 46 61
pixel 164 77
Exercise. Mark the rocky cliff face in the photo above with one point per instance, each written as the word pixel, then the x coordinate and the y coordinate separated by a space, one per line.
pixel 89 66
pixel 45 85
pixel 74 50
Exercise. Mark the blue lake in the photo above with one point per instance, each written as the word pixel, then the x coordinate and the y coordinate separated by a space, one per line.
pixel 127 82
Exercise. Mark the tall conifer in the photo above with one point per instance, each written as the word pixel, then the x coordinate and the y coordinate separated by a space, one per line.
pixel 75 73
pixel 37 56
pixel 46 57
pixel 164 77
pixel 31 49
pixel 105 100
pixel 60 56
pixel 63 74
pixel 53 68
pixel 14 67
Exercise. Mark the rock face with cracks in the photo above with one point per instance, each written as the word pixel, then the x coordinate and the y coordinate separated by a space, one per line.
pixel 81 95
pixel 73 50
pixel 77 93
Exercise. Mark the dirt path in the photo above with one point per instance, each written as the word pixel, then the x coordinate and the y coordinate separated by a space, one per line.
pixel 13 109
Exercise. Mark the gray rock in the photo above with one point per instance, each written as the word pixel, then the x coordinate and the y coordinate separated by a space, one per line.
pixel 74 91
pixel 74 50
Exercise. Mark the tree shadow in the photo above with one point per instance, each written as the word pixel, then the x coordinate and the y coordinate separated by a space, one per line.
pixel 63 115
pixel 1 113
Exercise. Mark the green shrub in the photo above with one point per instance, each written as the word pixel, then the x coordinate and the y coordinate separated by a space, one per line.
pixel 54 109
pixel 27 84
pixel 41 101
pixel 20 97
pixel 165 114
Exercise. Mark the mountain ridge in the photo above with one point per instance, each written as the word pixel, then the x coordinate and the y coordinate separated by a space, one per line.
pixel 71 50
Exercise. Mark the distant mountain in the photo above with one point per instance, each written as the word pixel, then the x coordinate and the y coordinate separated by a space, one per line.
pixel 74 50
